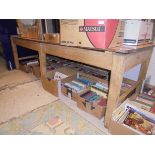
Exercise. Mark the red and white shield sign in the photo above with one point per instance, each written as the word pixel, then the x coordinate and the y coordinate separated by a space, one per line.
pixel 101 39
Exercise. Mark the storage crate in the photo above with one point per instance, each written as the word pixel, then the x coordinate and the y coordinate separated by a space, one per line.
pixel 50 84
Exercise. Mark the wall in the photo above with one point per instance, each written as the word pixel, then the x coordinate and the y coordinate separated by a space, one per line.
pixel 134 72
pixel 151 69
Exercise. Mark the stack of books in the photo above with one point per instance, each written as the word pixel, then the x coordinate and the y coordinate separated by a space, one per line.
pixel 78 85
pixel 30 62
pixel 100 73
pixel 91 96
pixel 100 88
pixel 147 102
pixel 139 122
pixel 139 115
pixel 58 76
pixel 149 91
pixel 52 62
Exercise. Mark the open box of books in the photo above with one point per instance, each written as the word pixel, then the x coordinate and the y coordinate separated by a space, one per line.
pixel 88 91
pixel 136 115
pixel 50 83
pixel 75 85
pixel 56 69
pixel 92 103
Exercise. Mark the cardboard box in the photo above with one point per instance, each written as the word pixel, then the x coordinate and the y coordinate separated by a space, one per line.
pixel 67 91
pixel 98 110
pixel 25 68
pixel 36 71
pixel 52 85
pixel 119 129
pixel 92 33
pixel 72 95
pixel 149 34
pixel 52 38
pixel 95 109
pixel 135 32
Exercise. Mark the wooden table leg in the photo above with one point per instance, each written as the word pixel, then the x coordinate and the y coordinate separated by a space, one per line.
pixel 42 58
pixel 115 86
pixel 15 53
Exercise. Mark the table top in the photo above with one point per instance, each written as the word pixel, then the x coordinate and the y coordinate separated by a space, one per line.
pixel 119 49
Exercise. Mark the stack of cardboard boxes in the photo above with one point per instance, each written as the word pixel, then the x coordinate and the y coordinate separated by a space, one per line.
pixel 138 32
pixel 92 33
pixel 105 33
pixel 89 33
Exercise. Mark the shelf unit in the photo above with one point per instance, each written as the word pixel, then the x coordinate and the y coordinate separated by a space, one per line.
pixel 117 60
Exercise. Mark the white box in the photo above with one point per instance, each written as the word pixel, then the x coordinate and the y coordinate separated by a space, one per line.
pixel 149 31
pixel 135 32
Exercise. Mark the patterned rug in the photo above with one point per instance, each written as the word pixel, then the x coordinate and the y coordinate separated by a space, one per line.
pixel 52 119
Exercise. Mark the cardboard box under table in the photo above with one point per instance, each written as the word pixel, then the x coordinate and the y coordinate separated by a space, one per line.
pixel 36 70
pixel 97 108
pixel 50 84
pixel 68 91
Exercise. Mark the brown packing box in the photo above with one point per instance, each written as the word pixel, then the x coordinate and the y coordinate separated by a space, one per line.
pixel 36 70
pixel 94 109
pixel 25 68
pixel 91 33
pixel 75 96
pixel 98 110
pixel 68 92
pixel 119 129
pixel 83 105
pixel 52 85
pixel 52 38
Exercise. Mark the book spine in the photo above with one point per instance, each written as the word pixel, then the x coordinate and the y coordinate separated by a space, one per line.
pixel 77 86
pixel 72 87
pixel 147 97
pixel 99 92
pixel 80 84
pixel 147 115
pixel 85 81
pixel 144 100
pixel 99 89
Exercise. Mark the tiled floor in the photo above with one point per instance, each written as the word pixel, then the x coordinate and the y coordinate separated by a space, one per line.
pixel 52 117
